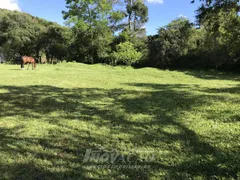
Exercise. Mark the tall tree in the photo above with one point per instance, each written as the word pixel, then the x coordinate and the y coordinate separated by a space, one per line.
pixel 55 42
pixel 209 8
pixel 170 44
pixel 89 21
pixel 220 21
pixel 137 13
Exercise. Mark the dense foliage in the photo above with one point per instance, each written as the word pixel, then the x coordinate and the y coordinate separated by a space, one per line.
pixel 99 31
pixel 125 54
pixel 24 34
pixel 213 43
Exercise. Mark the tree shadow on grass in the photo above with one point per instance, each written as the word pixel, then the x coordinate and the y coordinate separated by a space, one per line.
pixel 213 75
pixel 230 90
pixel 73 120
pixel 58 156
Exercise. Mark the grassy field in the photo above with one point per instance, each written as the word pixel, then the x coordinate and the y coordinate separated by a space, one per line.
pixel 171 124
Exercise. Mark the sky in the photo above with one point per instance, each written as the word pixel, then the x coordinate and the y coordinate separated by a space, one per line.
pixel 161 12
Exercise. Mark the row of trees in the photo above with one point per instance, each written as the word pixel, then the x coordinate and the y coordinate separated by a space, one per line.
pixel 112 31
pixel 214 44
pixel 23 34
pixel 95 23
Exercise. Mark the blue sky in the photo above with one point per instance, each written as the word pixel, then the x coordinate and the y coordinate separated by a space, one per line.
pixel 161 12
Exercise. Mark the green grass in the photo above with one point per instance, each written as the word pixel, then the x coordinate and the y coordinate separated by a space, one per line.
pixel 189 121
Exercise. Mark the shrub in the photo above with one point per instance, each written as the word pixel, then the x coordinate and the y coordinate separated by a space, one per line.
pixel 125 54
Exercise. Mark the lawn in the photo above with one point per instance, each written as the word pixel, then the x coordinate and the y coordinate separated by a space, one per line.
pixel 165 124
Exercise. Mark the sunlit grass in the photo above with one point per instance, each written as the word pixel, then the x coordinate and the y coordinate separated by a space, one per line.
pixel 189 121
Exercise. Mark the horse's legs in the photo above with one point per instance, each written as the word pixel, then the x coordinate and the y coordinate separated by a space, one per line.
pixel 22 65
pixel 28 66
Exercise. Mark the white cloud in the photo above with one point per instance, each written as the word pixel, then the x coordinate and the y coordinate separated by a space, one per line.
pixel 155 1
pixel 10 5
pixel 182 16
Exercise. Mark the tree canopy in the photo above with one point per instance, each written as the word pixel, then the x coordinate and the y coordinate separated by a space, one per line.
pixel 23 34
pixel 98 31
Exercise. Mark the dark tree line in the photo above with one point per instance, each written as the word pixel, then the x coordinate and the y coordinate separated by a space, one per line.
pixel 113 32
pixel 23 34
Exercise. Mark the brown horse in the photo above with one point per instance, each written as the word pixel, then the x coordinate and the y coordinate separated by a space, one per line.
pixel 28 60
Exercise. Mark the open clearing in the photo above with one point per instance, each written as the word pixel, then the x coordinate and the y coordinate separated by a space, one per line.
pixel 49 117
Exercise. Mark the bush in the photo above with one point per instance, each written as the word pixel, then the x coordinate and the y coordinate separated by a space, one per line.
pixel 125 54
